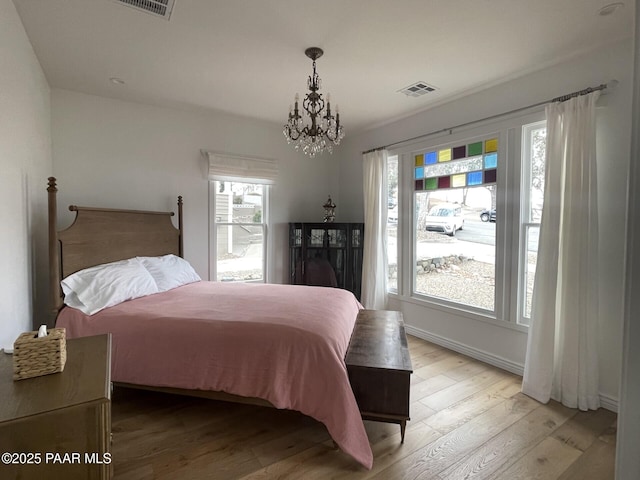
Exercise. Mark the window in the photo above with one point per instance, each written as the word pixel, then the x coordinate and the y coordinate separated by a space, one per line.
pixel 239 231
pixel 238 215
pixel 534 143
pixel 475 200
pixel 392 223
pixel 454 249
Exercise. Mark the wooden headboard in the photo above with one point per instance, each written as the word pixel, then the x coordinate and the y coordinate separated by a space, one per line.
pixel 101 235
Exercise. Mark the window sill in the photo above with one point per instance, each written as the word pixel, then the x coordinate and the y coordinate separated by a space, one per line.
pixel 433 304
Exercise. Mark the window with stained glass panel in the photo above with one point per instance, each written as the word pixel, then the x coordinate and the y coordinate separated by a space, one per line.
pixel 453 186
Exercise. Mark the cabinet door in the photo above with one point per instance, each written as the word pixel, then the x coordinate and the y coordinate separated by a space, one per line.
pixel 356 248
pixel 327 242
pixel 81 431
pixel 296 257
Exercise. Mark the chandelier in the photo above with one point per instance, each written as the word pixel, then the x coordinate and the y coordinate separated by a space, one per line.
pixel 316 130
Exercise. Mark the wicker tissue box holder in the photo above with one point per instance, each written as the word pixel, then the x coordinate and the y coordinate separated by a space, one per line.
pixel 33 356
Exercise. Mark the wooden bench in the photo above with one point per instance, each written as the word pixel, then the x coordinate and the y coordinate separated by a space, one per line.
pixel 379 367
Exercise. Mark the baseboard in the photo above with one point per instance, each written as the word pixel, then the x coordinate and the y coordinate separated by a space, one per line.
pixel 485 357
pixel 609 403
pixel 606 401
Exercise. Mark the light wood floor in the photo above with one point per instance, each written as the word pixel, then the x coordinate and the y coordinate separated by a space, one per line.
pixel 468 420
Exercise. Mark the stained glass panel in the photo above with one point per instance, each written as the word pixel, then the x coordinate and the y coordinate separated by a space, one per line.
pixel 474 178
pixel 459 152
pixel 459 180
pixel 491 145
pixel 444 155
pixel 444 182
pixel 431 184
pixel 459 166
pixel 475 149
pixel 490 176
pixel 491 160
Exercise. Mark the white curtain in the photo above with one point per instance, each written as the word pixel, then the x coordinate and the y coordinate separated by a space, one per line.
pixel 374 264
pixel 562 361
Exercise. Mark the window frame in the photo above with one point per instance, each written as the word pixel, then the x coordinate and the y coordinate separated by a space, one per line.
pixel 526 223
pixel 397 225
pixel 508 231
pixel 214 225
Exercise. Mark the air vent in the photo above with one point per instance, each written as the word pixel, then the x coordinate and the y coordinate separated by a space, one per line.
pixel 160 8
pixel 417 89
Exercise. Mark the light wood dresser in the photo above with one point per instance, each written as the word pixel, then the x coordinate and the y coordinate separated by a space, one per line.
pixel 62 413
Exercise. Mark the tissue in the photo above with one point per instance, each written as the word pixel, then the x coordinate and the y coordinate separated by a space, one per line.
pixel 42 331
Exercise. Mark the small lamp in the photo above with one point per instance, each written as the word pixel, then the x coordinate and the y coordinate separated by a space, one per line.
pixel 329 210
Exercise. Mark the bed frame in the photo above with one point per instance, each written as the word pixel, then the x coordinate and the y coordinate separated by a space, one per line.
pixel 102 235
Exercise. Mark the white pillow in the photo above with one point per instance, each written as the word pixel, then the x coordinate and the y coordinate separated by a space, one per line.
pixel 170 271
pixel 92 289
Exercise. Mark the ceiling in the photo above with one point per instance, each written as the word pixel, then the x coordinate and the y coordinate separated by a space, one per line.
pixel 247 56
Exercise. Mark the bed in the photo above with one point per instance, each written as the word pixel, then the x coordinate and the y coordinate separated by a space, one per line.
pixel 275 345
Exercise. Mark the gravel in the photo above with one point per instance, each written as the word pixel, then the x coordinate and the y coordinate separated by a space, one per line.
pixel 471 283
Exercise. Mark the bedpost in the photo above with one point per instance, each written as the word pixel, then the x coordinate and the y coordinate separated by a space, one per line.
pixel 181 231
pixel 55 296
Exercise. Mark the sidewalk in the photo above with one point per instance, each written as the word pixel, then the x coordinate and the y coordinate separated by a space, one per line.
pixel 449 246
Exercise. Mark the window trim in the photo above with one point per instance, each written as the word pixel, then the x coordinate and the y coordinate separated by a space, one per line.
pixel 214 224
pixel 451 141
pixel 508 203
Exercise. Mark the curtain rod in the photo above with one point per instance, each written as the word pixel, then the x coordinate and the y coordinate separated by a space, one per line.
pixel 611 84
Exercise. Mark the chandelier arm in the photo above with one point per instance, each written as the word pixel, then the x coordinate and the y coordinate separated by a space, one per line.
pixel 296 136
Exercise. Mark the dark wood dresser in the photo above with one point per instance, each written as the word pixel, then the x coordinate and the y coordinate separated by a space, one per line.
pixel 339 244
pixel 379 367
pixel 68 413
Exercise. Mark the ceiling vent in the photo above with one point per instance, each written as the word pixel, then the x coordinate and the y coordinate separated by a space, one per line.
pixel 417 89
pixel 159 8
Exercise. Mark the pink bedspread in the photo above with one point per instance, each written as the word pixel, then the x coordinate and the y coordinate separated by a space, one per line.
pixel 283 343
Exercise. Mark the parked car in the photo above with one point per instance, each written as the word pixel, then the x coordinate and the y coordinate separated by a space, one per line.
pixel 446 218
pixel 488 215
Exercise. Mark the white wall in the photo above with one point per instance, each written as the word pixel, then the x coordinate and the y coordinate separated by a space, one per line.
pixel 507 346
pixel 119 154
pixel 25 163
